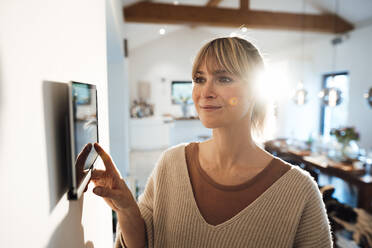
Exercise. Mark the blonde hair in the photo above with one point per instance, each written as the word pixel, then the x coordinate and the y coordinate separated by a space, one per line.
pixel 241 58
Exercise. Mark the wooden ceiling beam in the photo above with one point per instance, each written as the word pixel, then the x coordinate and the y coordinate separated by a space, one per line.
pixel 213 3
pixel 149 12
pixel 244 5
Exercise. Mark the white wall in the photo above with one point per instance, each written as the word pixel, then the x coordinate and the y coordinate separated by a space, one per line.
pixel 43 41
pixel 118 89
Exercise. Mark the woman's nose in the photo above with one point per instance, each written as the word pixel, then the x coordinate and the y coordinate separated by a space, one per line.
pixel 208 90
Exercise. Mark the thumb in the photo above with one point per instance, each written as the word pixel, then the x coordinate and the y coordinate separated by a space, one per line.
pixel 106 192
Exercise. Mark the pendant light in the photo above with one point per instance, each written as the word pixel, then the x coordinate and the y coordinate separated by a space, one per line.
pixel 300 94
pixel 332 96
pixel 368 97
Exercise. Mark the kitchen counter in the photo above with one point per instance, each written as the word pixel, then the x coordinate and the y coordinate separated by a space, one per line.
pixel 162 132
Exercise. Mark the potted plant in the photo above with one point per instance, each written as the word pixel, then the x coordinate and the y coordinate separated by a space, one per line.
pixel 347 137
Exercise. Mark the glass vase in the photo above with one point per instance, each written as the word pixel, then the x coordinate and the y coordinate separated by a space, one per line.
pixel 349 151
pixel 185 109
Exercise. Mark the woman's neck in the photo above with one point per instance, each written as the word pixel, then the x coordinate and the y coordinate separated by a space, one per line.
pixel 233 146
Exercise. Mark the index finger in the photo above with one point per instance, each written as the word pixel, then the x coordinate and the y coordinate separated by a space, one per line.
pixel 107 161
pixel 83 155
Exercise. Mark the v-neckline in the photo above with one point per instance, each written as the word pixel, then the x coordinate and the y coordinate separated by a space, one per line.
pixel 236 187
pixel 233 219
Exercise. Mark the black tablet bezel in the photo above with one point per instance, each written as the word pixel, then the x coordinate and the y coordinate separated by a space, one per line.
pixel 75 190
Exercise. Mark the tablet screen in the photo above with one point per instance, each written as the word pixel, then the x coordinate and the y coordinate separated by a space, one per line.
pixel 85 124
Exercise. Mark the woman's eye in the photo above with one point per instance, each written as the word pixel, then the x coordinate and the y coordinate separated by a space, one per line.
pixel 199 80
pixel 225 79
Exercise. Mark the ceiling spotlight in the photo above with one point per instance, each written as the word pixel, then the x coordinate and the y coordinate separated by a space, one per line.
pixel 162 31
pixel 244 29
pixel 233 34
pixel 175 2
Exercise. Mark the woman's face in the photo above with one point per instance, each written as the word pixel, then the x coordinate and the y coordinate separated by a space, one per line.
pixel 221 99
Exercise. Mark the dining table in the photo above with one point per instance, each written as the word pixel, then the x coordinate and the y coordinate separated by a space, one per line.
pixel 353 173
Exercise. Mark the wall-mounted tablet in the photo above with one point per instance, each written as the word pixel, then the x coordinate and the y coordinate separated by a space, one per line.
pixel 83 119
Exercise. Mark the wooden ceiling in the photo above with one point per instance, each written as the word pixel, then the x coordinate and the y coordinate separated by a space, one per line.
pixel 212 15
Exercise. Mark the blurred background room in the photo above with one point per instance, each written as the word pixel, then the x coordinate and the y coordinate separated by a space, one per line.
pixel 318 58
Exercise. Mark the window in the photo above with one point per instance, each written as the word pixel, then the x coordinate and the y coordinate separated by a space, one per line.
pixel 182 92
pixel 335 117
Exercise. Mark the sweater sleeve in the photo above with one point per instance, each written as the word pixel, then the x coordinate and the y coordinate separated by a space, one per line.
pixel 314 228
pixel 145 204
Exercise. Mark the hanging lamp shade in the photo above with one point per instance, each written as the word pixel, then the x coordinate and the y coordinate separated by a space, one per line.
pixel 300 95
pixel 368 97
pixel 331 97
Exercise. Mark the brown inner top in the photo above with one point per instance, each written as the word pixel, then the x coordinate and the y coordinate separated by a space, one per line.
pixel 218 203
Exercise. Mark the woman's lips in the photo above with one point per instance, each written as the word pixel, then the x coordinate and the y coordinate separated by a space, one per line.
pixel 210 107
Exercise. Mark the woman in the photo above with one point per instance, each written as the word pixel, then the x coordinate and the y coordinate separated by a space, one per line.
pixel 226 191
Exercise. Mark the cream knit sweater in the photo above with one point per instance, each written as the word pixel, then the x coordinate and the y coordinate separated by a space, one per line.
pixel 290 213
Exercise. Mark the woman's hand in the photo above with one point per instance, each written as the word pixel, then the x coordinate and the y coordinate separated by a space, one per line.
pixel 111 186
pixel 80 163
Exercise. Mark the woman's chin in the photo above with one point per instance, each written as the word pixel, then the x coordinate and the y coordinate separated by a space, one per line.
pixel 208 123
